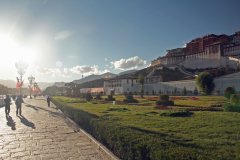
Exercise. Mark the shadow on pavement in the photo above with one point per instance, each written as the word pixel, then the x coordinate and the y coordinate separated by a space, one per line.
pixel 10 122
pixel 37 108
pixel 27 122
pixel 51 112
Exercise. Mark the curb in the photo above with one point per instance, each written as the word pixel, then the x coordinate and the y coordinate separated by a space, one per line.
pixel 99 146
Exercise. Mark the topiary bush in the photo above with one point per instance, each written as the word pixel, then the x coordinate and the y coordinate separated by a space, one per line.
pixel 229 91
pixel 164 101
pixel 130 99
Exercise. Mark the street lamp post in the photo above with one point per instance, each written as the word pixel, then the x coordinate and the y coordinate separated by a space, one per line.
pixel 21 67
pixel 31 80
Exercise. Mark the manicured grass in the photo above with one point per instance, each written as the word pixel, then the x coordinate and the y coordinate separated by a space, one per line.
pixel 202 101
pixel 141 132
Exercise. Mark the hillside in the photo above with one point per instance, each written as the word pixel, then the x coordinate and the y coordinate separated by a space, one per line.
pixel 94 77
pixel 8 83
pixel 165 73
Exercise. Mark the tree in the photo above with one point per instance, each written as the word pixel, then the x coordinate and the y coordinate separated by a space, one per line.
pixel 195 92
pixel 141 81
pixel 184 91
pixel 204 82
pixel 175 91
pixel 229 91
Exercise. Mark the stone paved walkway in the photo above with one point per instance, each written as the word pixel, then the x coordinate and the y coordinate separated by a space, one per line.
pixel 43 133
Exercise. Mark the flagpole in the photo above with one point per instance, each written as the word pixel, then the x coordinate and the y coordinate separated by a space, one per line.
pixel 20 85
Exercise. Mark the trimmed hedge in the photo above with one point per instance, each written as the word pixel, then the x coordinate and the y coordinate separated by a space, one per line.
pixel 127 143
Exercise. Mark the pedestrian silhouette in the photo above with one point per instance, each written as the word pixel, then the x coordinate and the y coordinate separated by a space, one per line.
pixel 48 101
pixel 7 101
pixel 18 103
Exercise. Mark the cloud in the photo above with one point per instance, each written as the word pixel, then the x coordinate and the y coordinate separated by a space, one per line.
pixel 59 64
pixel 70 72
pixel 130 63
pixel 87 70
pixel 54 72
pixel 63 35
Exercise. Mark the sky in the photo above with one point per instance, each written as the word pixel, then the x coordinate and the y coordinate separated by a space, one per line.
pixel 64 40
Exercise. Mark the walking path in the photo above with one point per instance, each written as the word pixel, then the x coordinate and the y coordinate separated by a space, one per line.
pixel 44 133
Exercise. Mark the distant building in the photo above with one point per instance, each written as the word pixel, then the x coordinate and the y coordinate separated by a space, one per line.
pixel 171 73
pixel 209 51
pixel 93 91
pixel 120 85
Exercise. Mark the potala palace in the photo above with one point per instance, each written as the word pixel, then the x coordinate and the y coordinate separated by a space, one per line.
pixel 209 51
pixel 218 54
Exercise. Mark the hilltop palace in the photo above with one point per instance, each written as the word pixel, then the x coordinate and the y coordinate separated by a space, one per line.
pixel 210 51
pixel 176 70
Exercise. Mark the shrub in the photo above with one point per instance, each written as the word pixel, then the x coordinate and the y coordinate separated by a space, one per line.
pixel 234 99
pixel 184 91
pixel 165 103
pixel 232 108
pixel 98 97
pixel 110 98
pixel 228 92
pixel 184 113
pixel 160 92
pixel 195 92
pixel 164 97
pixel 130 99
pixel 88 97
pixel 153 92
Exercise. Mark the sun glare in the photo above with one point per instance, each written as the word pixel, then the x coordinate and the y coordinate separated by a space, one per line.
pixel 12 51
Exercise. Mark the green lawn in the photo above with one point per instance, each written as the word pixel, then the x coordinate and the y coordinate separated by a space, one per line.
pixel 140 132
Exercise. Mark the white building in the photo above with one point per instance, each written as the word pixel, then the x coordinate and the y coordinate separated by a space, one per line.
pixel 120 85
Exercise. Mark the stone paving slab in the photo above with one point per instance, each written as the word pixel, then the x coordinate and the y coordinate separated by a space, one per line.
pixel 44 133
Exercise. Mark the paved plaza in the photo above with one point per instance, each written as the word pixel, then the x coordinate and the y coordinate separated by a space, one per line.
pixel 44 133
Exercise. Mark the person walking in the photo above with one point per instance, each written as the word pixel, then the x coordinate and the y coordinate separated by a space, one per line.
pixel 18 103
pixel 7 101
pixel 48 100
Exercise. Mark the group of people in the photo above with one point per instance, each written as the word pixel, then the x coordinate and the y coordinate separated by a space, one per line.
pixel 18 103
